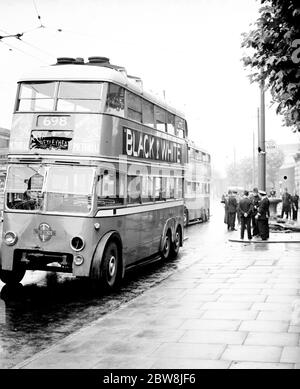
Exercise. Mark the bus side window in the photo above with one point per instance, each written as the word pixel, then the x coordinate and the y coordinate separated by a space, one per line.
pixel 134 107
pixel 179 187
pixel 115 100
pixel 148 113
pixel 165 188
pixel 172 187
pixel 109 189
pixel 157 188
pixel 134 184
pixel 160 118
pixel 171 124
pixel 147 188
pixel 179 127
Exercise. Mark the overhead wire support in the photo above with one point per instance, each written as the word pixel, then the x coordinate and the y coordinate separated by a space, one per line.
pixel 38 15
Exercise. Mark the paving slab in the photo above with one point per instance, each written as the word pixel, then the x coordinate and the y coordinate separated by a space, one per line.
pixel 231 308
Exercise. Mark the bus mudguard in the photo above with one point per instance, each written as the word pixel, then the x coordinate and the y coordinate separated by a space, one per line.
pixel 98 254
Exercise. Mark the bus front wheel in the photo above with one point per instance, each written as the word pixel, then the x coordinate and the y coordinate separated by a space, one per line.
pixel 110 267
pixel 12 276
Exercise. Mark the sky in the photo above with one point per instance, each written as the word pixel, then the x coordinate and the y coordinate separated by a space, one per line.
pixel 188 49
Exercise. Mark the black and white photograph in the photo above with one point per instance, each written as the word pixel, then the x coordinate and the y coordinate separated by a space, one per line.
pixel 149 188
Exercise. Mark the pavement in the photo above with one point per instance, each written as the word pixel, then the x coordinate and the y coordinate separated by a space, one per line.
pixel 236 306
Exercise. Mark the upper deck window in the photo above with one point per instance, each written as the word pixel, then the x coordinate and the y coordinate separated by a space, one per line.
pixel 148 113
pixel 38 96
pixel 60 96
pixel 134 107
pixel 79 96
pixel 115 100
pixel 160 117
pixel 180 127
pixel 171 123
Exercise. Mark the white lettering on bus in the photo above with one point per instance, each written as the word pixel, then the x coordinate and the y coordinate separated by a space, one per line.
pixel 128 142
pixel 147 146
pixel 151 152
pixel 146 153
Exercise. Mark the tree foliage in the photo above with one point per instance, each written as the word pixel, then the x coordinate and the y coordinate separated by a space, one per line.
pixel 274 162
pixel 273 55
pixel 241 172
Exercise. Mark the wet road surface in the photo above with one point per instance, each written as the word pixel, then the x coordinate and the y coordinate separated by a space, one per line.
pixel 46 307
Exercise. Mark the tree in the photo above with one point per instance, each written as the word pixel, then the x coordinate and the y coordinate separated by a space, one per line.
pixel 273 58
pixel 241 173
pixel 274 162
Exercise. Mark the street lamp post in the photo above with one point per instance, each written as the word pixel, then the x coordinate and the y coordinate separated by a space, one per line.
pixel 261 142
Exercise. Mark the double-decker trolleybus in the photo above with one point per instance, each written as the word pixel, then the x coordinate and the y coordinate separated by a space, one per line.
pixel 95 174
pixel 197 185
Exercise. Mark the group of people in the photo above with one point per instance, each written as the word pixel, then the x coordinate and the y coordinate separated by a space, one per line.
pixel 252 213
pixel 290 205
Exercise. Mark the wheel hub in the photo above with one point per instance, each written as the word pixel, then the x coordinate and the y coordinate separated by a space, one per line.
pixel 112 266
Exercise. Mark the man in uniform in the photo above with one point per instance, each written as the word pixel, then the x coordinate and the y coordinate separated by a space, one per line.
pixel 263 215
pixel 255 199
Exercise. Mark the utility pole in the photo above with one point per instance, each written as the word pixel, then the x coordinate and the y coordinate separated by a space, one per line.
pixel 234 165
pixel 253 159
pixel 261 142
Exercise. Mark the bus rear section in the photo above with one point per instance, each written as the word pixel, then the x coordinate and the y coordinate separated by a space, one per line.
pixel 197 185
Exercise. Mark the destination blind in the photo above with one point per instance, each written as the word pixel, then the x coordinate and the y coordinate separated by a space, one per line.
pixel 140 145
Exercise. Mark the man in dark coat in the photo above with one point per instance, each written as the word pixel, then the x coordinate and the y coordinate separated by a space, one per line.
pixel 245 210
pixel 286 204
pixel 224 201
pixel 255 199
pixel 295 206
pixel 263 215
pixel 231 211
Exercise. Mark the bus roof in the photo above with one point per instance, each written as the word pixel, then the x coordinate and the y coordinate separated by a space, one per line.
pixel 192 145
pixel 76 72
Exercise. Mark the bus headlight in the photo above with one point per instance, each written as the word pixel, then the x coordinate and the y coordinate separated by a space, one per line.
pixel 78 260
pixel 77 243
pixel 10 238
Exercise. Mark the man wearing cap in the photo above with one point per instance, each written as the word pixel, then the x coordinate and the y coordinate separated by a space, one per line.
pixel 262 216
pixel 255 199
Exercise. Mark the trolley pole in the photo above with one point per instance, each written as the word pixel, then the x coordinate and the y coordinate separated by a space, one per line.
pixel 261 142
pixel 253 160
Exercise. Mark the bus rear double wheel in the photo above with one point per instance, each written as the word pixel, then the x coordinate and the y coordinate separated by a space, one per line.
pixel 171 248
pixel 185 217
pixel 175 246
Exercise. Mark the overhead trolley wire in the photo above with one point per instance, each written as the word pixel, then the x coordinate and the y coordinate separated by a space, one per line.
pixel 38 48
pixel 22 51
